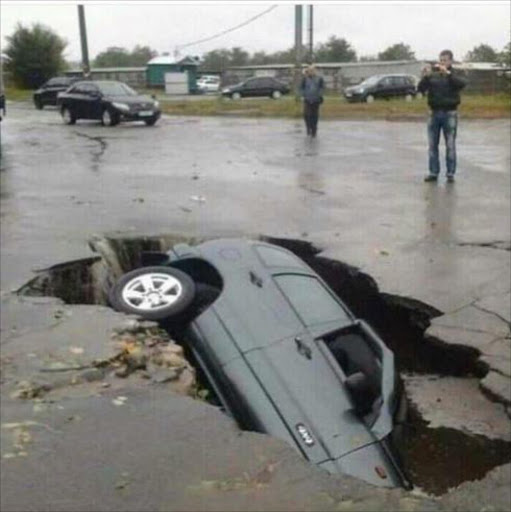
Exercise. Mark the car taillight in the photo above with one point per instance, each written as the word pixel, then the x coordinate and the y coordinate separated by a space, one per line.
pixel 380 472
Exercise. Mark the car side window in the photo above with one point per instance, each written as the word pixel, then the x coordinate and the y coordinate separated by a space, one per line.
pixel 385 82
pixel 256 82
pixel 79 89
pixel 90 90
pixel 311 300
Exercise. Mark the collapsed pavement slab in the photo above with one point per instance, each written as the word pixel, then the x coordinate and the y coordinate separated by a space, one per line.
pixel 483 326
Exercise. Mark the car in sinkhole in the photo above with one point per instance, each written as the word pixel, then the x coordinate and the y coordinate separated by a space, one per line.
pixel 282 352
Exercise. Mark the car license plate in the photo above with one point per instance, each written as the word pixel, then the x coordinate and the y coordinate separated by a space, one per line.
pixel 145 113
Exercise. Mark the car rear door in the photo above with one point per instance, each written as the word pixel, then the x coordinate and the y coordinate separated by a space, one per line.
pixel 305 383
pixel 254 87
pixel 307 391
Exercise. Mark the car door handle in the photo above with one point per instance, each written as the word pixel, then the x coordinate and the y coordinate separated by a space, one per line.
pixel 255 279
pixel 303 349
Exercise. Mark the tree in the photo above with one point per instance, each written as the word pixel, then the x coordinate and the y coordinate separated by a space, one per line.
pixel 368 58
pixel 335 50
pixel 260 58
pixel 216 60
pixel 482 53
pixel 505 55
pixel 399 51
pixel 238 57
pixel 34 55
pixel 118 57
pixel 141 55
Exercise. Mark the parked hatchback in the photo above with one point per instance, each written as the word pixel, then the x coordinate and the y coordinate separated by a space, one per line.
pixel 283 353
pixel 382 86
pixel 259 86
pixel 108 101
pixel 47 93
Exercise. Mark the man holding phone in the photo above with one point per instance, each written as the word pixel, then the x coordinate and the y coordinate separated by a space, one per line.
pixel 443 85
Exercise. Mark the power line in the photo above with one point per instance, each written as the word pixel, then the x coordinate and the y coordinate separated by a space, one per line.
pixel 230 29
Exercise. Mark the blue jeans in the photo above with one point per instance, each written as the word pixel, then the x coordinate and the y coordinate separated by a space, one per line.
pixel 447 122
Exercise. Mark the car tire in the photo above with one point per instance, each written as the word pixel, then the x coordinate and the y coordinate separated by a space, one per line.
pixel 409 97
pixel 369 98
pixel 418 95
pixel 38 104
pixel 139 292
pixel 276 95
pixel 108 118
pixel 236 96
pixel 67 115
pixel 150 122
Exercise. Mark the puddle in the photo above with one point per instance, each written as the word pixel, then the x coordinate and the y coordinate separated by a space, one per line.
pixel 449 420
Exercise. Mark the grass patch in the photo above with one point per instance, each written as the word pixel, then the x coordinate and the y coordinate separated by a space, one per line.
pixel 334 107
pixel 495 106
pixel 15 94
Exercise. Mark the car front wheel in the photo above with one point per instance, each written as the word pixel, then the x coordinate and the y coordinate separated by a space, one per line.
pixel 38 104
pixel 67 116
pixel 108 118
pixel 236 96
pixel 154 293
pixel 276 95
pixel 150 122
pixel 369 98
pixel 409 97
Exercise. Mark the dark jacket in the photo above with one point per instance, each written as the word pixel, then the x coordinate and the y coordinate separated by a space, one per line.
pixel 311 89
pixel 443 90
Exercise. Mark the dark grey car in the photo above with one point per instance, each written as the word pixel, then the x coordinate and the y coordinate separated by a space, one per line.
pixel 283 353
pixel 108 101
pixel 383 87
pixel 48 92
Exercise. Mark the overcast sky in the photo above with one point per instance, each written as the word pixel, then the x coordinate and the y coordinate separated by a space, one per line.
pixel 370 27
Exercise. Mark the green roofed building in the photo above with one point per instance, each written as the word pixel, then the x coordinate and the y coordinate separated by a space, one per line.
pixel 159 66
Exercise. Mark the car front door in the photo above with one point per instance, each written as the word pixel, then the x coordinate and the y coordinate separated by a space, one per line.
pixel 75 100
pixel 92 102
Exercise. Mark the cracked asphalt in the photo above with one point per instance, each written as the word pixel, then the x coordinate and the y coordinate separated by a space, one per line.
pixel 356 192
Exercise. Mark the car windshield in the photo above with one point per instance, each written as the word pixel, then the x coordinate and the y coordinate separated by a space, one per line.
pixel 116 89
pixel 372 80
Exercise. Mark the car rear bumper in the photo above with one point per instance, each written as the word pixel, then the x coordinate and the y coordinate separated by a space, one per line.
pixel 377 463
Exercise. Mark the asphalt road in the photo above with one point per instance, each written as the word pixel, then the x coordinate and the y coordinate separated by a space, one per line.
pixel 356 191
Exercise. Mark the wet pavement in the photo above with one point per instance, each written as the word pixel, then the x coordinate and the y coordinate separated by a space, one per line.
pixel 356 192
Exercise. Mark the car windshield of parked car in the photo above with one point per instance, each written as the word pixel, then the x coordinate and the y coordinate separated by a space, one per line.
pixel 313 303
pixel 372 80
pixel 116 89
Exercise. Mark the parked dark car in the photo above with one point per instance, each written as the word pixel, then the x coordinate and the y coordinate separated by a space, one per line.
pixel 383 86
pixel 2 105
pixel 47 93
pixel 282 352
pixel 259 86
pixel 108 101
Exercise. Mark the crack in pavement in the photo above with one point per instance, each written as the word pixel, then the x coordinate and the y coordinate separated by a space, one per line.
pixel 501 245
pixel 96 156
pixel 493 314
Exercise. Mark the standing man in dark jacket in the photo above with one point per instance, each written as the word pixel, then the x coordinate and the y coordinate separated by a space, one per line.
pixel 443 85
pixel 311 90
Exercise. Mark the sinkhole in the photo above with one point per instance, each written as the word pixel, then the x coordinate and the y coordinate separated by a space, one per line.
pixel 431 455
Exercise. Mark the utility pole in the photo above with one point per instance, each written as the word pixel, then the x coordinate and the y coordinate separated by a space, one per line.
pixel 298 49
pixel 311 42
pixel 83 40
